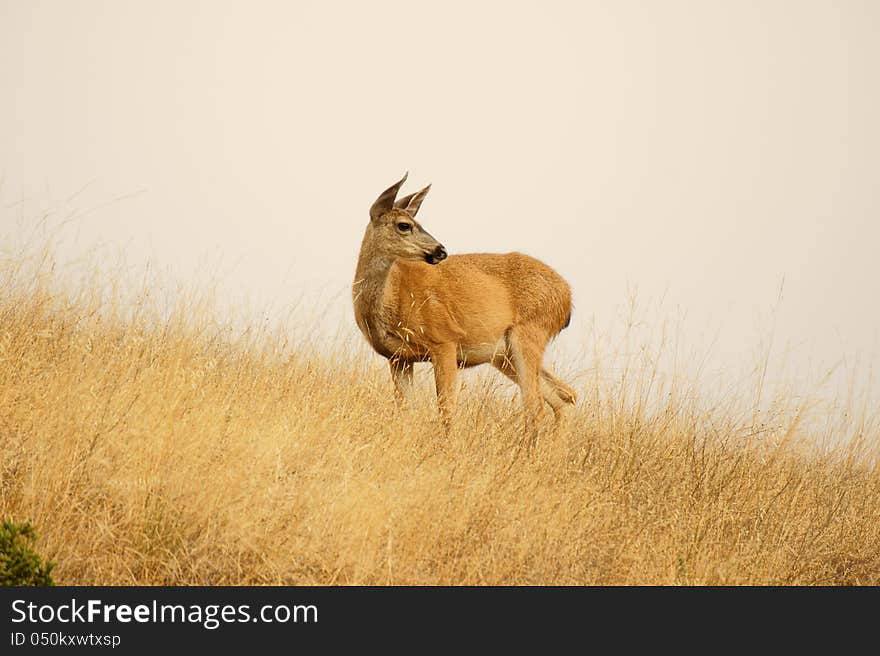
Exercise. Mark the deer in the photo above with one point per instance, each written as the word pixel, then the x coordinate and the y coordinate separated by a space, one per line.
pixel 416 303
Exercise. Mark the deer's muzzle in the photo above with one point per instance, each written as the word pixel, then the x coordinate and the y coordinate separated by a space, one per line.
pixel 438 255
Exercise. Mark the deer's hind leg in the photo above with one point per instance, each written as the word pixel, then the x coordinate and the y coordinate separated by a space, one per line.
pixel 563 391
pixel 548 391
pixel 526 345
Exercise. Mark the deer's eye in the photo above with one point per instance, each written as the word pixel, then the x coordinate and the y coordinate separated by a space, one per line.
pixel 404 227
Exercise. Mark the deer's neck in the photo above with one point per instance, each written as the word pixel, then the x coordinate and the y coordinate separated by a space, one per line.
pixel 368 294
pixel 370 277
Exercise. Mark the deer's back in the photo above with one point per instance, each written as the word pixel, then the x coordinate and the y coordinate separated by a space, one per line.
pixel 538 294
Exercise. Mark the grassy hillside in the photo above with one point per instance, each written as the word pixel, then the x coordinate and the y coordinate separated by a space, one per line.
pixel 176 450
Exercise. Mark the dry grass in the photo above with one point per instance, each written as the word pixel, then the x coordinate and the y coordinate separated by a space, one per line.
pixel 150 450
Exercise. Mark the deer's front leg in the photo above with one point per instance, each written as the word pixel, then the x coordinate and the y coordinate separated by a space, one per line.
pixel 402 375
pixel 445 377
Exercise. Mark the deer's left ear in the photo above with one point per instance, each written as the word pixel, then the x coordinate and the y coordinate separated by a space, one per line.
pixel 413 204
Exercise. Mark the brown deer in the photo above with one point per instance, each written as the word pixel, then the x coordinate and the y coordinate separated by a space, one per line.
pixel 415 304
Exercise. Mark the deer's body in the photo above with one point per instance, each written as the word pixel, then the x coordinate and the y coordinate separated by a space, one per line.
pixel 414 304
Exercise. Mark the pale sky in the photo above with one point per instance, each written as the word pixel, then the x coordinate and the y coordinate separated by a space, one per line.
pixel 696 151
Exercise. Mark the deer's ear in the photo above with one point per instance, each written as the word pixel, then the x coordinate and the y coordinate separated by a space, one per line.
pixel 415 202
pixel 401 203
pixel 385 202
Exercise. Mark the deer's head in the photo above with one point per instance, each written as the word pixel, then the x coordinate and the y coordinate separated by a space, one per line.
pixel 394 231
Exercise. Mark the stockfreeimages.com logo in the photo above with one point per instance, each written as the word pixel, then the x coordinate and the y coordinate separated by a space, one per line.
pixel 210 616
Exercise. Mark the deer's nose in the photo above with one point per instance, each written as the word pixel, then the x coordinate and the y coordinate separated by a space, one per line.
pixel 440 254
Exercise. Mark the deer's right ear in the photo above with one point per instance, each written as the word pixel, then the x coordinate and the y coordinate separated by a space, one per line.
pixel 401 203
pixel 414 202
pixel 385 202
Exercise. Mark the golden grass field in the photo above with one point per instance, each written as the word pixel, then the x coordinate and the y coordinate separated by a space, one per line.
pixel 151 447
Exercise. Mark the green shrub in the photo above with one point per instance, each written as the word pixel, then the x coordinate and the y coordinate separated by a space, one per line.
pixel 19 565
